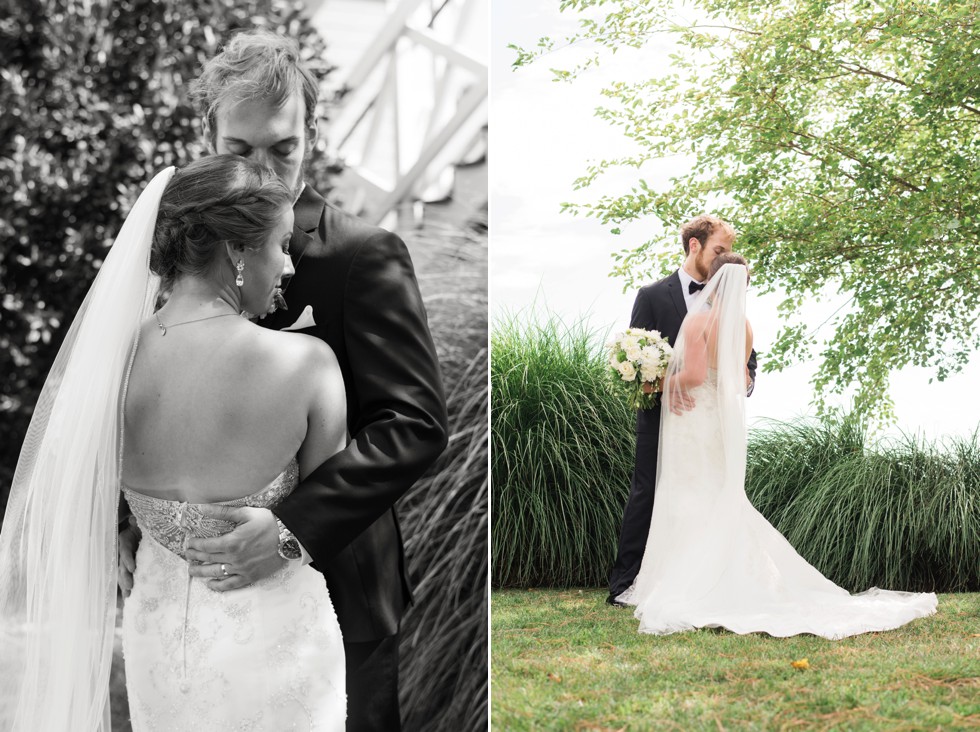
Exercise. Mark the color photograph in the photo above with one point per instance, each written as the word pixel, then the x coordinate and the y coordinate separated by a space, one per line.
pixel 734 456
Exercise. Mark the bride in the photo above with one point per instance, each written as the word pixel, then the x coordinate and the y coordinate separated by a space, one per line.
pixel 711 559
pixel 185 406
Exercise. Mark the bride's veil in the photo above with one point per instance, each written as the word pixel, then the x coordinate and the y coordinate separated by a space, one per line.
pixel 58 542
pixel 701 463
pixel 714 330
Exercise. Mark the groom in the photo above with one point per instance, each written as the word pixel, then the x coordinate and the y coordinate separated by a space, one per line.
pixel 662 307
pixel 355 288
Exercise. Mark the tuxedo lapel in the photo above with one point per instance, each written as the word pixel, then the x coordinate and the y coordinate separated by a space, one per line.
pixel 307 214
pixel 308 210
pixel 677 295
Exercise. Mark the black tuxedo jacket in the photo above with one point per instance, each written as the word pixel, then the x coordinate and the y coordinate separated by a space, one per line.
pixel 661 307
pixel 361 285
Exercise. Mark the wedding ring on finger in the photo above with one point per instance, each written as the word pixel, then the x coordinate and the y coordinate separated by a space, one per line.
pixel 224 570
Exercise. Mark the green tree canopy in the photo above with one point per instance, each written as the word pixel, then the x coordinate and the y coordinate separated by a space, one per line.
pixel 843 141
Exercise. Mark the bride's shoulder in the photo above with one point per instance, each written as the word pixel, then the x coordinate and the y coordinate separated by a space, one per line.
pixel 294 351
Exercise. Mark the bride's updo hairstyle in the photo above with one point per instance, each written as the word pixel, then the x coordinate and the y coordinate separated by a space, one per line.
pixel 214 200
pixel 727 258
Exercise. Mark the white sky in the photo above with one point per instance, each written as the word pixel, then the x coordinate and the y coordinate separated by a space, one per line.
pixel 543 136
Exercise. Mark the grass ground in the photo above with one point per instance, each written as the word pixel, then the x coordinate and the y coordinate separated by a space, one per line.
pixel 564 660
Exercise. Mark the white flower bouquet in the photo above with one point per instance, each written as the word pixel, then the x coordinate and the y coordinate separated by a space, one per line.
pixel 636 357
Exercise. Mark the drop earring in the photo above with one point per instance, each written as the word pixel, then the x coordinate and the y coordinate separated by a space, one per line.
pixel 240 267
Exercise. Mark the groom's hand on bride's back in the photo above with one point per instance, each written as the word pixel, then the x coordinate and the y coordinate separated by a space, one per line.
pixel 246 554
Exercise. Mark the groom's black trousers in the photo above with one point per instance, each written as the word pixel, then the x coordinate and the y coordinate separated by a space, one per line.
pixel 639 509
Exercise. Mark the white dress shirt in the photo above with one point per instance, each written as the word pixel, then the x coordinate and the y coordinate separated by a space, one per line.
pixel 686 280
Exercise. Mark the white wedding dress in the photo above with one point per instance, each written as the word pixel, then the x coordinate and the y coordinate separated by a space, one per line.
pixel 711 559
pixel 266 657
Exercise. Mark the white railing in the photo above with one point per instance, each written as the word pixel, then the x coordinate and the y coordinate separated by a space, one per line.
pixel 414 105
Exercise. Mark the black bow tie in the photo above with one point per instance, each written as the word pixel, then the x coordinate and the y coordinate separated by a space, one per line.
pixel 693 287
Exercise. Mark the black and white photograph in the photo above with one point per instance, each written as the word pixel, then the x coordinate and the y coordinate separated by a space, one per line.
pixel 243 335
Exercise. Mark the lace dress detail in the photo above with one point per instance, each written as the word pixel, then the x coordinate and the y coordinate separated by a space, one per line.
pixel 267 657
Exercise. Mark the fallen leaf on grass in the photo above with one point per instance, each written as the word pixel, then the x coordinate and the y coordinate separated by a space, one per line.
pixel 555 677
pixel 801 665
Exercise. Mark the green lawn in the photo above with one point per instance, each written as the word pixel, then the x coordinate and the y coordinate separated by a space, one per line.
pixel 564 660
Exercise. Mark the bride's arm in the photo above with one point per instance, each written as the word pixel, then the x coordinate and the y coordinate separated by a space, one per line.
pixel 695 369
pixel 326 422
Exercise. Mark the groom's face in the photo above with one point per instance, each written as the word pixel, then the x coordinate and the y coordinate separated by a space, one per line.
pixel 718 242
pixel 274 136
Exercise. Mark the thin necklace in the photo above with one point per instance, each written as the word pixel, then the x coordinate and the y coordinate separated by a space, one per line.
pixel 163 328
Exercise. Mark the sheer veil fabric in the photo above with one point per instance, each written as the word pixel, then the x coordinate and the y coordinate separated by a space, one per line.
pixel 711 559
pixel 58 542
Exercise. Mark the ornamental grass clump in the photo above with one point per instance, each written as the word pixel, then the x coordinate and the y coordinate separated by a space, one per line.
pixel 561 455
pixel 444 635
pixel 901 514
pixel 444 643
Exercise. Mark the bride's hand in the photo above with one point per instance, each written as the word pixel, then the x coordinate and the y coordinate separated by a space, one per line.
pixel 680 402
pixel 246 554
pixel 129 540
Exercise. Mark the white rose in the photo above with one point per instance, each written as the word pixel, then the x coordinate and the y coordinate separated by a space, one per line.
pixel 627 371
pixel 634 353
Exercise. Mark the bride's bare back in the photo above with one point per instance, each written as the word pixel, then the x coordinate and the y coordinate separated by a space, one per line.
pixel 701 354
pixel 216 409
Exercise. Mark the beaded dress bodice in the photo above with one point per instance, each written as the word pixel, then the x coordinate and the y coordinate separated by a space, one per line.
pixel 171 522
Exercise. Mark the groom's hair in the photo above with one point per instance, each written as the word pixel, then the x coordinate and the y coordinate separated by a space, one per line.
pixel 701 227
pixel 257 64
